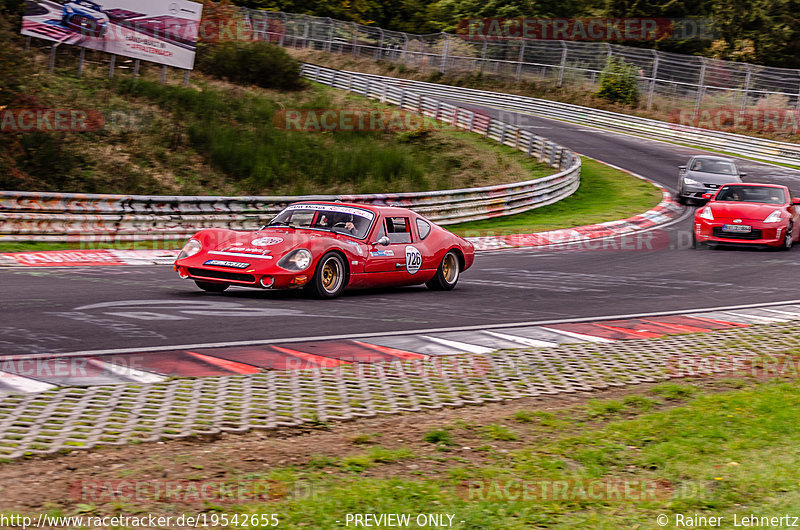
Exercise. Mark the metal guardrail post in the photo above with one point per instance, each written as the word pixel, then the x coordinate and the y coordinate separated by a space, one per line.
pixel 284 24
pixel 111 66
pixel 746 97
pixel 700 85
pixel 483 52
pixel 135 68
pixel 306 29
pixel 379 49
pixel 445 51
pixel 654 77
pixel 520 58
pixel 330 35
pixel 563 67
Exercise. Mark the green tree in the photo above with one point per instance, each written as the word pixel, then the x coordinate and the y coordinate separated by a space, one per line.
pixel 763 31
pixel 618 82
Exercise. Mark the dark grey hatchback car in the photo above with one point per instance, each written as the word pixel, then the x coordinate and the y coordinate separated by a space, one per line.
pixel 704 174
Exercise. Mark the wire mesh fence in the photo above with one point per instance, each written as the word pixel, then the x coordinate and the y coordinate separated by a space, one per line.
pixel 667 80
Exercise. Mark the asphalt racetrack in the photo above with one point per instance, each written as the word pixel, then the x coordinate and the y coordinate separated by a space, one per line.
pixel 63 310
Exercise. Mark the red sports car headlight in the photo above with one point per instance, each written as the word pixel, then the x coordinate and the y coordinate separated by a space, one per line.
pixel 774 217
pixel 191 248
pixel 296 260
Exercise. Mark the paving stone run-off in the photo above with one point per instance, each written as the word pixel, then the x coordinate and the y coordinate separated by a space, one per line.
pixel 82 418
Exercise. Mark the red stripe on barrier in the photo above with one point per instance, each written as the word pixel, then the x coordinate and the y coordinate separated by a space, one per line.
pixel 351 351
pixel 322 362
pixel 174 364
pixel 225 364
pixel 697 323
pixel 723 324
pixel 394 352
pixel 605 331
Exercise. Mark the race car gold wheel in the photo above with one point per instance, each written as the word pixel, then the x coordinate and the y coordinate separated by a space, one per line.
pixel 447 274
pixel 450 268
pixel 329 278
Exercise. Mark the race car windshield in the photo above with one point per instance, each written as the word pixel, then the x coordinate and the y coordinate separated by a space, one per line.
pixel 705 165
pixel 346 220
pixel 752 194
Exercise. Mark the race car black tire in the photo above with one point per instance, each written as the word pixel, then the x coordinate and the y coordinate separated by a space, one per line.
pixel 787 242
pixel 698 245
pixel 681 199
pixel 330 277
pixel 212 287
pixel 447 274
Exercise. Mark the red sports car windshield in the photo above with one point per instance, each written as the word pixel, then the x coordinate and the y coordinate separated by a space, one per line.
pixel 759 194
pixel 347 220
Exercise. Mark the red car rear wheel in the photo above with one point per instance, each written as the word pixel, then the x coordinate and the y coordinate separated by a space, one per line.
pixel 447 274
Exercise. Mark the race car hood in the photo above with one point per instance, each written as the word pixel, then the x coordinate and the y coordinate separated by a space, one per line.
pixel 743 210
pixel 272 241
pixel 711 178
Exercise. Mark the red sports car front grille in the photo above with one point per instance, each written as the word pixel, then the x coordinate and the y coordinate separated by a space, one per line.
pixel 753 234
pixel 222 275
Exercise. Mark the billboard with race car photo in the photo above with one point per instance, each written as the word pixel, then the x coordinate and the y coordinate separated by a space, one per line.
pixel 150 30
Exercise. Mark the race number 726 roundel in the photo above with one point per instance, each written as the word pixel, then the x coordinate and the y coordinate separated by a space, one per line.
pixel 413 259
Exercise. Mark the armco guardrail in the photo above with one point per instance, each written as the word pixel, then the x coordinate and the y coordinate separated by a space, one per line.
pixel 30 216
pixel 757 148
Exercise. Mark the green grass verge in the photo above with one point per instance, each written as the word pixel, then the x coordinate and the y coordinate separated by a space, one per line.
pixel 605 194
pixel 727 454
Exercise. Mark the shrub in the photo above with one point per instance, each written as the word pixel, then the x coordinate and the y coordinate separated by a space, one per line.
pixel 619 82
pixel 251 63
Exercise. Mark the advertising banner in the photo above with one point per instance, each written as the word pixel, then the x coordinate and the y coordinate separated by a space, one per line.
pixel 150 30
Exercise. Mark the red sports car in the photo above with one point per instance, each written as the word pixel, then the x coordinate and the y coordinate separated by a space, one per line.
pixel 326 248
pixel 752 214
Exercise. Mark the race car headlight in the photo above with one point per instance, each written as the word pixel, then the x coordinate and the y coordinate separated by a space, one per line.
pixel 191 248
pixel 774 217
pixel 296 260
pixel 706 214
pixel 690 182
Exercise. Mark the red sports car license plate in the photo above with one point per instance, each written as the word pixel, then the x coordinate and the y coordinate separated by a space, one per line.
pixel 232 264
pixel 736 228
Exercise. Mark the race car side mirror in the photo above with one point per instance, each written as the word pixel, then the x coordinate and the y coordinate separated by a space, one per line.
pixel 796 200
pixel 706 195
pixel 384 241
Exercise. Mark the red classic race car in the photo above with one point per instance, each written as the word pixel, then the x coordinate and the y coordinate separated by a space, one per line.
pixel 751 214
pixel 326 248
